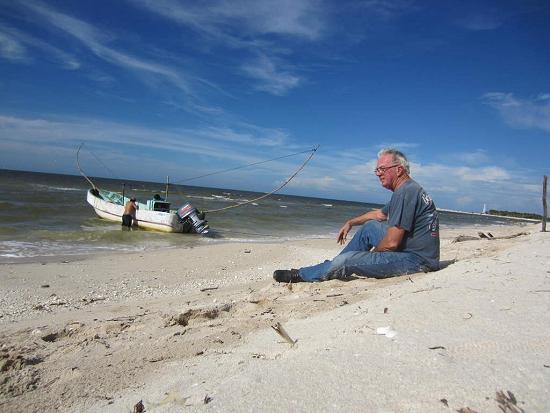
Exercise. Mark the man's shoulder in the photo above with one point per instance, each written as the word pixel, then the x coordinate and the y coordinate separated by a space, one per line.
pixel 410 185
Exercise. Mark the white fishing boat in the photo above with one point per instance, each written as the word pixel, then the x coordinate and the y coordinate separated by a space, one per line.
pixel 155 214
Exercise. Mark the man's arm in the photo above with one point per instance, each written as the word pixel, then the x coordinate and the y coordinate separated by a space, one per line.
pixel 391 241
pixel 376 214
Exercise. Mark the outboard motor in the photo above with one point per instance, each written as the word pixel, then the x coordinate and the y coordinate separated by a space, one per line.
pixel 192 219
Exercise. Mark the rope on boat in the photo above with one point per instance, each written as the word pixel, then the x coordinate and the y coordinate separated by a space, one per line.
pixel 275 190
pixel 243 166
pixel 80 169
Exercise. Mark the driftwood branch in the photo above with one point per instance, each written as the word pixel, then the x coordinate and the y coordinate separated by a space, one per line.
pixel 488 236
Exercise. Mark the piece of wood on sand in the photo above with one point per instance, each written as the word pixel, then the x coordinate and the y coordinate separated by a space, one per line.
pixel 282 332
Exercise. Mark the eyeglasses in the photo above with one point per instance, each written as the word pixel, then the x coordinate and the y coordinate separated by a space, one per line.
pixel 382 169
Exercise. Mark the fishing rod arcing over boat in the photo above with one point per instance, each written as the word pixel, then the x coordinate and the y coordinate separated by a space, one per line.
pixel 245 166
pixel 80 169
pixel 302 166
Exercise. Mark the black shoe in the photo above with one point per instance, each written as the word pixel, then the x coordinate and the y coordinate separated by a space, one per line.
pixel 287 276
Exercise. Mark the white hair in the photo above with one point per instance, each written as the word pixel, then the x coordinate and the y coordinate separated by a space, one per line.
pixel 398 157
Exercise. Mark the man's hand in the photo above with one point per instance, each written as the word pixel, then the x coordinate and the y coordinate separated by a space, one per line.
pixel 343 233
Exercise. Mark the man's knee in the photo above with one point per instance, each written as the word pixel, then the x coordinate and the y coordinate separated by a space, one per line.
pixel 345 265
pixel 373 231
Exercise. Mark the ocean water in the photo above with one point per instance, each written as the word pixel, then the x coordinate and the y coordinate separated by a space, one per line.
pixel 46 215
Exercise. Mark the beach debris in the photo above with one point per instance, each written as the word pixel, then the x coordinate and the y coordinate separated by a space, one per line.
pixel 487 236
pixel 183 319
pixel 93 299
pixel 547 366
pixel 209 288
pixel 445 402
pixel 278 327
pixel 385 310
pixel 247 251
pixel 334 295
pixel 462 238
pixel 466 410
pixel 45 286
pixel 507 402
pixel 127 317
pixel 467 316
pixel 258 356
pixel 139 407
pixel 207 399
pixel 386 331
pixel 423 290
pixel 437 348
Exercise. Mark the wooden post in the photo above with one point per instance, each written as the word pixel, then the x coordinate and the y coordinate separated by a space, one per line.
pixel 544 207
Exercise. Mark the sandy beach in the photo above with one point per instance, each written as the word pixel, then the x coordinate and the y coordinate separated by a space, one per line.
pixel 192 330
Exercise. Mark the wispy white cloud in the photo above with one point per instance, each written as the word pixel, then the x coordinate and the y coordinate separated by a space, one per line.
pixel 481 21
pixel 12 49
pixel 200 146
pixel 100 42
pixel 386 9
pixel 20 40
pixel 477 157
pixel 249 24
pixel 211 141
pixel 96 40
pixel 270 78
pixel 521 113
pixel 320 183
pixel 486 174
pixel 402 146
pixel 234 21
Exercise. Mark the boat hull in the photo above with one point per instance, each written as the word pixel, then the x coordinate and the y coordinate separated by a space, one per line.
pixel 146 219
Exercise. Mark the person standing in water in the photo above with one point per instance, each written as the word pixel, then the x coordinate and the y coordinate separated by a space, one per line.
pixel 129 216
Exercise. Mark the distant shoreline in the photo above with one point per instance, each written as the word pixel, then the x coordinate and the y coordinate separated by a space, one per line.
pixel 488 215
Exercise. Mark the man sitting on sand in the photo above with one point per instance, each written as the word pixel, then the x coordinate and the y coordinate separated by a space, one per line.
pixel 129 215
pixel 400 238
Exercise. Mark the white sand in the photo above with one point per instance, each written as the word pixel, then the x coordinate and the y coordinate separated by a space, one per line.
pixel 108 331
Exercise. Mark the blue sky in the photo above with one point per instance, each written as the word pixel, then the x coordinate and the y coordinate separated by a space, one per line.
pixel 179 88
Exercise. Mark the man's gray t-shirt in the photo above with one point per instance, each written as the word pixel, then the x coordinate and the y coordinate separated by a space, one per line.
pixel 411 208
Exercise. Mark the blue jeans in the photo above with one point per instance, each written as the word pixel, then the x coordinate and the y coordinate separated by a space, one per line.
pixel 356 259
